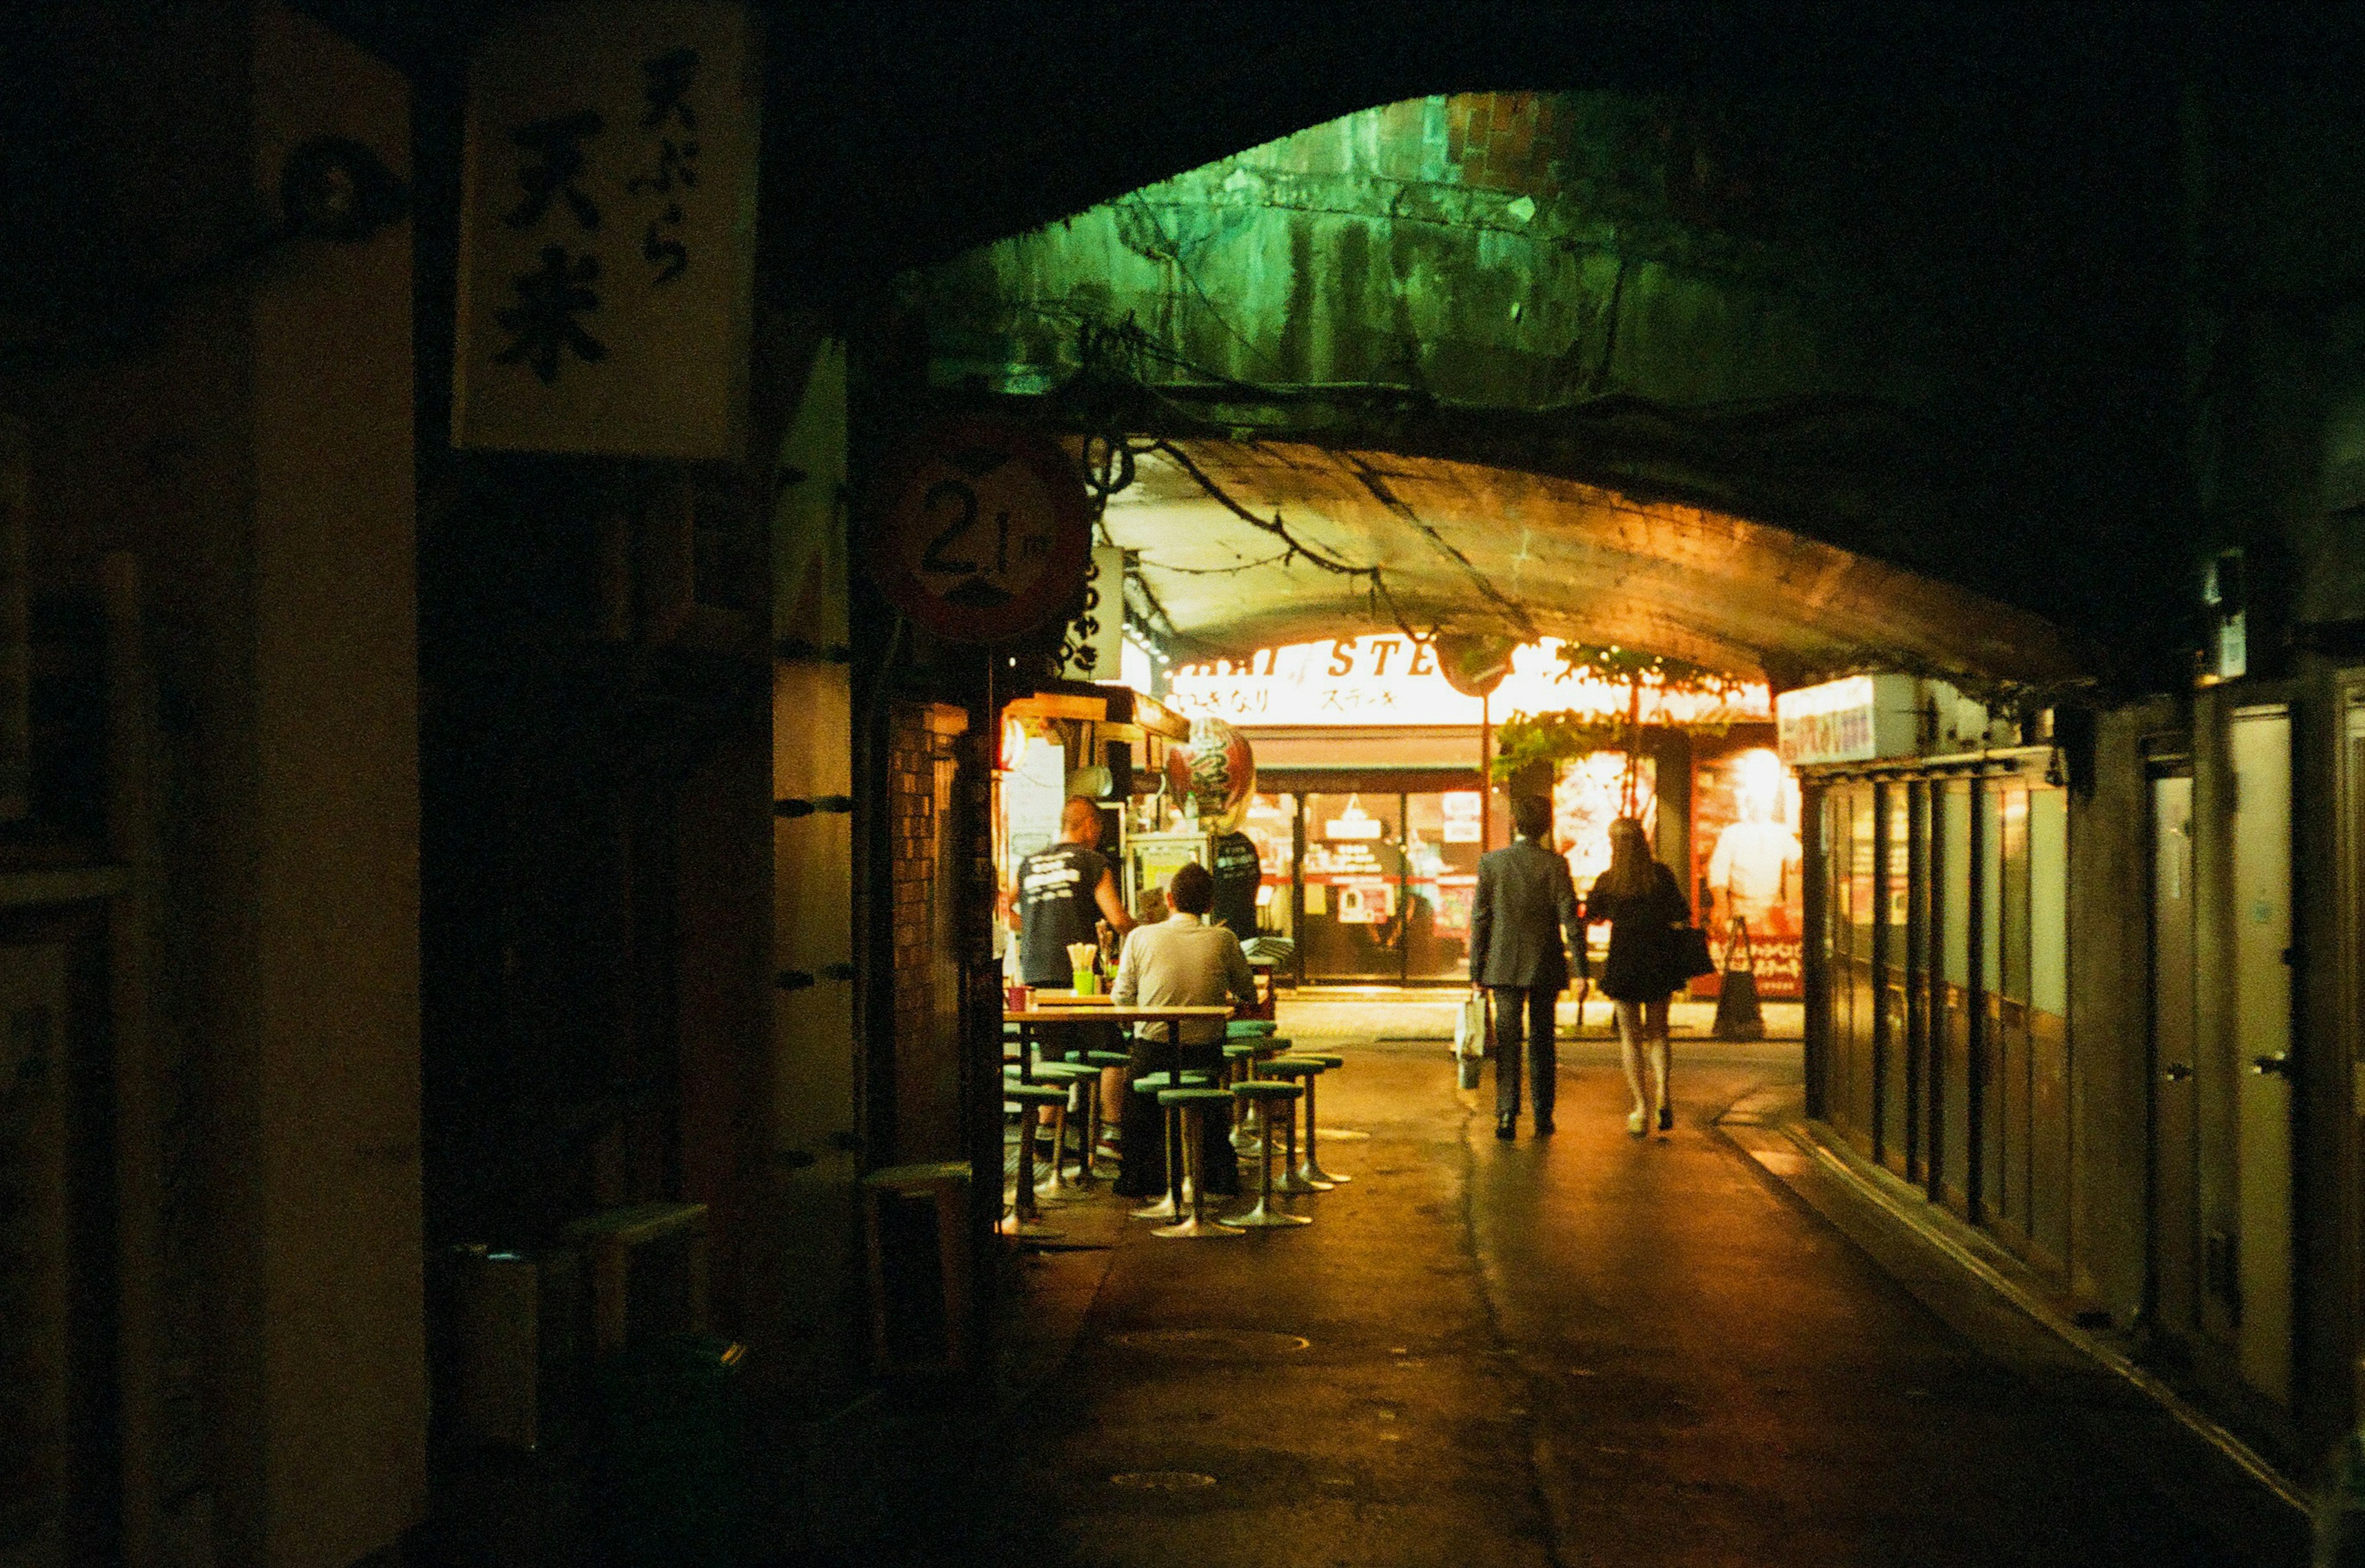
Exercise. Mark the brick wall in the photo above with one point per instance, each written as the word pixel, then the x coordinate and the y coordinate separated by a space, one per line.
pixel 1509 141
pixel 923 765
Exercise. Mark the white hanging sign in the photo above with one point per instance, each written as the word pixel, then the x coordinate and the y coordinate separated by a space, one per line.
pixel 608 232
pixel 1095 640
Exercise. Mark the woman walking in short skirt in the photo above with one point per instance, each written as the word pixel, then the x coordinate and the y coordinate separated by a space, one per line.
pixel 1643 903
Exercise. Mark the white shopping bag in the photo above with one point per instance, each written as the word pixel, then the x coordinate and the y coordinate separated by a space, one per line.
pixel 1470 1027
pixel 1469 1034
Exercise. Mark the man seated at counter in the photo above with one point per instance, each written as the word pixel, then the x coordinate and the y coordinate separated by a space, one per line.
pixel 1181 961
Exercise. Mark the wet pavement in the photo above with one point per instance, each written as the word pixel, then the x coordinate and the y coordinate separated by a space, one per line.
pixel 1586 1350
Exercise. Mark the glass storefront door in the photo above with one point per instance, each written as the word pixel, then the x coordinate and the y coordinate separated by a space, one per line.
pixel 1442 851
pixel 1272 826
pixel 1383 882
pixel 1351 883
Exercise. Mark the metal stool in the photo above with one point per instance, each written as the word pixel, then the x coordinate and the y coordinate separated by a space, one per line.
pixel 1312 1168
pixel 1190 1105
pixel 1085 1080
pixel 1249 1131
pixel 1024 1221
pixel 1098 1119
pixel 1248 1028
pixel 1169 1207
pixel 1297 1071
pixel 1240 1061
pixel 1262 1091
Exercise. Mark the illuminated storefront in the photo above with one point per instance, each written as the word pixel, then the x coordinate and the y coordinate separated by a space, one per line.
pixel 1371 809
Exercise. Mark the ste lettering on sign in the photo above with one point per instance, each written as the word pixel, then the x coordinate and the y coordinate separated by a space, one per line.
pixel 608 232
pixel 980 531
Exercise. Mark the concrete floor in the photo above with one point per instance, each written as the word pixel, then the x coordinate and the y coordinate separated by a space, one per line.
pixel 1588 1350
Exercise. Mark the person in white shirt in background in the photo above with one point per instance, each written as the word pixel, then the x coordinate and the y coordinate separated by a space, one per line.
pixel 1180 961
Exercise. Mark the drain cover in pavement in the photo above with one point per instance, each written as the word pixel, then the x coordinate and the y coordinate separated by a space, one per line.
pixel 1163 1481
pixel 1214 1344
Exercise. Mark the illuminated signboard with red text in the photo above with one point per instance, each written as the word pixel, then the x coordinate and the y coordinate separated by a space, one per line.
pixel 1389 678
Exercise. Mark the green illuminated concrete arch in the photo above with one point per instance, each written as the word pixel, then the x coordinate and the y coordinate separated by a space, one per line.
pixel 1574 320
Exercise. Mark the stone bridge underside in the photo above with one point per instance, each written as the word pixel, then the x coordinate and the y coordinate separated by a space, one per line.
pixel 1614 369
pixel 1495 551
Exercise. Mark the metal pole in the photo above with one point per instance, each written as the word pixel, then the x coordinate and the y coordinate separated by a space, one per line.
pixel 1485 766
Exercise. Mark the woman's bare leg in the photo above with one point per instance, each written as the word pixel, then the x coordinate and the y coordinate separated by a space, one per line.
pixel 1632 1036
pixel 1662 1062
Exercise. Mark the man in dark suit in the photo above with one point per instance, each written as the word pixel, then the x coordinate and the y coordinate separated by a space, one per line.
pixel 1525 906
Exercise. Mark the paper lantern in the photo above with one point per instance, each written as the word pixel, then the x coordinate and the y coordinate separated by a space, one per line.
pixel 1217 770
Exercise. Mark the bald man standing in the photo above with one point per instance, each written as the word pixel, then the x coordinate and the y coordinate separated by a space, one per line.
pixel 1063 893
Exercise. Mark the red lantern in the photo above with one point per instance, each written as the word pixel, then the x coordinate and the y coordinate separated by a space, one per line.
pixel 1217 770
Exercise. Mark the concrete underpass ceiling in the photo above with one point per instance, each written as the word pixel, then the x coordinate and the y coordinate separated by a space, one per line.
pixel 1486 550
pixel 1793 438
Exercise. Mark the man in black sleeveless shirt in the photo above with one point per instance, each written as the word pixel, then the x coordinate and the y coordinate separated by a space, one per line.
pixel 1063 893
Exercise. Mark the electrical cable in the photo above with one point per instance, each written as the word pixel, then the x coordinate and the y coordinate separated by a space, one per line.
pixel 1378 591
pixel 1175 255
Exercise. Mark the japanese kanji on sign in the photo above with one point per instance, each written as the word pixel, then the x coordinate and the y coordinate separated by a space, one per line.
pixel 980 531
pixel 607 255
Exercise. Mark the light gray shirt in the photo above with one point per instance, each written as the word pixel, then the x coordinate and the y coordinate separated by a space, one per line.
pixel 1182 961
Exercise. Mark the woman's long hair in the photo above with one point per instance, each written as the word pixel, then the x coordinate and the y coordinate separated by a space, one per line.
pixel 1631 863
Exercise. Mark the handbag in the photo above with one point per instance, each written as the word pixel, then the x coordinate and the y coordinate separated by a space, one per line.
pixel 1738 1015
pixel 1690 953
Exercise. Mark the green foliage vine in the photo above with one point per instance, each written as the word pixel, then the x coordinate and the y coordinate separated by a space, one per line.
pixel 1557 737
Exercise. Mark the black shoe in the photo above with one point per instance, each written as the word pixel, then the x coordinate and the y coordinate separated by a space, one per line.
pixel 1666 1118
pixel 1507 1127
pixel 1543 1124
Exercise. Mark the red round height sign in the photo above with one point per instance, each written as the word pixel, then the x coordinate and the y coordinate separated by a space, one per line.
pixel 980 529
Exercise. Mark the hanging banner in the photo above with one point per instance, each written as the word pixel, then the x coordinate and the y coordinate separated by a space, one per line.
pixel 809 544
pixel 1096 640
pixel 608 232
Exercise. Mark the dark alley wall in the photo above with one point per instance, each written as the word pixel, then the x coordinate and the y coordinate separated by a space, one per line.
pixel 229 449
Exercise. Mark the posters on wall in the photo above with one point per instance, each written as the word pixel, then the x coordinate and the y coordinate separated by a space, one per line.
pixel 1746 865
pixel 1453 893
